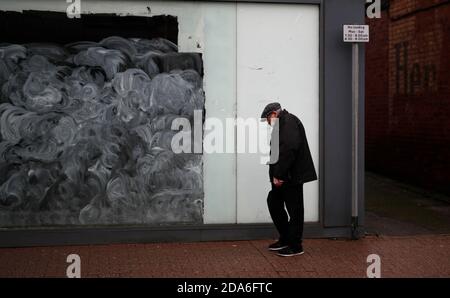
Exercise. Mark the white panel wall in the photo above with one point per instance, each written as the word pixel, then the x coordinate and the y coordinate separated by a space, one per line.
pixel 278 60
pixel 213 27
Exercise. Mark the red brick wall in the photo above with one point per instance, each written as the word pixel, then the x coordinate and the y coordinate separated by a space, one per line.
pixel 407 93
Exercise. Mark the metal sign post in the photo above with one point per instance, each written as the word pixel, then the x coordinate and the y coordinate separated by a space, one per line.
pixel 355 34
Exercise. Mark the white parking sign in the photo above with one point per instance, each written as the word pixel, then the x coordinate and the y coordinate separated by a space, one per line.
pixel 356 33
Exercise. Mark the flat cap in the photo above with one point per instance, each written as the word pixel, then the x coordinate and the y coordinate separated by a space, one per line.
pixel 271 107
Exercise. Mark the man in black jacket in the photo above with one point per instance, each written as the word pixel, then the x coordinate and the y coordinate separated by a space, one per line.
pixel 291 167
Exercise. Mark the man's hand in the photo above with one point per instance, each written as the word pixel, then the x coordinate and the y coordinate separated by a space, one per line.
pixel 277 182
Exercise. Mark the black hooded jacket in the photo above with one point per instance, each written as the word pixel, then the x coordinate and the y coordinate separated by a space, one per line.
pixel 294 164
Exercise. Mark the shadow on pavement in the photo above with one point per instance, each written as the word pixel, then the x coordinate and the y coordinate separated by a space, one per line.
pixel 397 209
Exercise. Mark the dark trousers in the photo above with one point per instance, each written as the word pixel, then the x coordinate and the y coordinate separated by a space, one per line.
pixel 290 229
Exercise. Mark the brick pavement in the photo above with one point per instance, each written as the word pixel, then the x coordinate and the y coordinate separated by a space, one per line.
pixel 412 256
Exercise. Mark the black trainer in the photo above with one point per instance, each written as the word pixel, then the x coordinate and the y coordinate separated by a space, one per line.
pixel 277 246
pixel 290 252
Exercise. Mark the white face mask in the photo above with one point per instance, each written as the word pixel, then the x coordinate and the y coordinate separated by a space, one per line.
pixel 272 121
